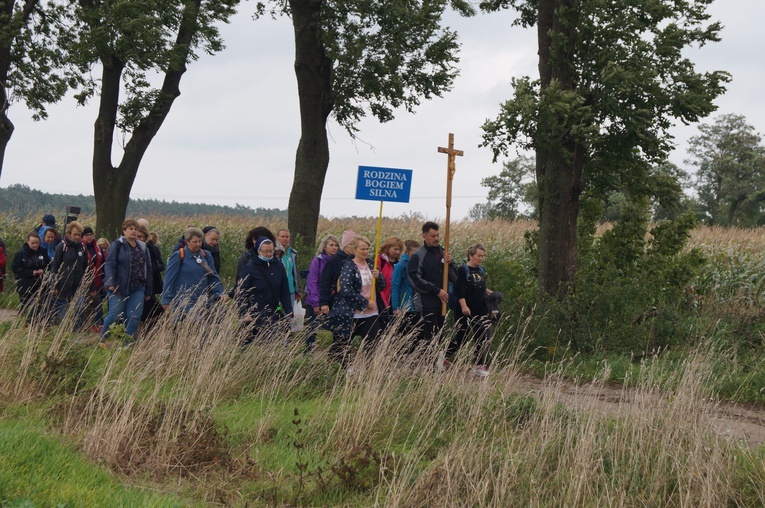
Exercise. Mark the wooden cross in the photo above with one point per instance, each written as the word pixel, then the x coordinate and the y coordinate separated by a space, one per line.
pixel 451 168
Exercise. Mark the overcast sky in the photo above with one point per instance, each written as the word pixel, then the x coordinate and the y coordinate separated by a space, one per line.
pixel 231 135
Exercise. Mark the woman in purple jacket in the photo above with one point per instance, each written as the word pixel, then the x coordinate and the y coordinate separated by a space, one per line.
pixel 327 248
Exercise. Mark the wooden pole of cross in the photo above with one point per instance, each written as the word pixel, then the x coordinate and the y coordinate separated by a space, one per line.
pixel 451 168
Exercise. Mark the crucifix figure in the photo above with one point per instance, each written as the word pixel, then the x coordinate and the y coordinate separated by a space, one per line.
pixel 451 168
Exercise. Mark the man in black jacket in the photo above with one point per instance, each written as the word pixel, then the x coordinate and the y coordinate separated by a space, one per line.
pixel 426 268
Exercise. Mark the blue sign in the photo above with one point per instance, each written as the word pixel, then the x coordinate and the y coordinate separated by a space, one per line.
pixel 384 184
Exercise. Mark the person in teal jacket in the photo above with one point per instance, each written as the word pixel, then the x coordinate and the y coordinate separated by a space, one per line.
pixel 401 290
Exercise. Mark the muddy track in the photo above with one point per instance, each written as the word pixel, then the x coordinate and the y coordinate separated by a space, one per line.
pixel 733 421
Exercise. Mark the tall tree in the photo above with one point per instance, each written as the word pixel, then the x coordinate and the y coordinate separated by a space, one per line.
pixel 133 42
pixel 513 187
pixel 31 65
pixel 354 57
pixel 612 77
pixel 730 162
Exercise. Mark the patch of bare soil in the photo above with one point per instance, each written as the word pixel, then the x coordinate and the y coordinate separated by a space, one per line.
pixel 734 421
pixel 8 314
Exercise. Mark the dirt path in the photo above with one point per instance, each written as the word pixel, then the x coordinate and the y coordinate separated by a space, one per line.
pixel 733 421
pixel 8 315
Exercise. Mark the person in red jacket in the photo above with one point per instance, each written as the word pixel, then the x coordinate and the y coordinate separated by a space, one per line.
pixel 93 313
pixel 390 251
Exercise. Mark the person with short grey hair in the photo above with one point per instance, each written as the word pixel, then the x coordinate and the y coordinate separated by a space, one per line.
pixel 190 274
pixel 210 244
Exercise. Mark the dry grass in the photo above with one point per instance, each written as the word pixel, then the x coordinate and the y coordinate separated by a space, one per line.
pixel 438 439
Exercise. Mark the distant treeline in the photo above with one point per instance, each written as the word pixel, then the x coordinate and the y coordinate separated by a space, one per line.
pixel 22 200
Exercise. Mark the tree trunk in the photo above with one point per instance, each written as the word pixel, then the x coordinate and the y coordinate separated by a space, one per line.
pixel 11 25
pixel 112 185
pixel 559 164
pixel 6 131
pixel 735 203
pixel 313 72
pixel 110 196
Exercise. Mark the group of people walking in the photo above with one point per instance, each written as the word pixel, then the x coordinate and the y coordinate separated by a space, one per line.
pixel 345 291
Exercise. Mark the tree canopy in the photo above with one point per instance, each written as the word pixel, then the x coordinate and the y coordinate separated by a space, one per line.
pixel 730 171
pixel 134 44
pixel 613 77
pixel 359 57
pixel 32 66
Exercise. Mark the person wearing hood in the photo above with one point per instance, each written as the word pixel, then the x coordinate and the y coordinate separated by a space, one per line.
pixel 69 265
pixel 249 251
pixel 48 222
pixel 49 241
pixel 28 267
pixel 128 280
pixel 210 244
pixel 264 288
pixel 190 274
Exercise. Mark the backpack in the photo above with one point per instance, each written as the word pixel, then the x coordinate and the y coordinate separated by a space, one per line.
pixel 182 254
pixel 452 297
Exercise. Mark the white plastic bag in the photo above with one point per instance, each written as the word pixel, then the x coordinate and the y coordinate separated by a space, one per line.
pixel 298 318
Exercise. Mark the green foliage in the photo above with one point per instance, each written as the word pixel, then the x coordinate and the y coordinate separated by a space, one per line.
pixel 39 470
pixel 20 199
pixel 613 79
pixel 730 161
pixel 30 61
pixel 630 81
pixel 387 54
pixel 629 288
pixel 513 187
pixel 142 38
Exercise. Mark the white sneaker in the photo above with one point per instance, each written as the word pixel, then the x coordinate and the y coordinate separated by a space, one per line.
pixel 481 372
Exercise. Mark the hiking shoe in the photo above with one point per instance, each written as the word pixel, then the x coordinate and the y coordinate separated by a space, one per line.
pixel 481 372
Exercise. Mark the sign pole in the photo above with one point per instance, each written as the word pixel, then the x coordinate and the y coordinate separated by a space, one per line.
pixel 377 250
pixel 451 168
pixel 382 184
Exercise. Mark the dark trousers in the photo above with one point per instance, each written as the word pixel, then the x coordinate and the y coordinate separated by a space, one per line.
pixel 475 329
pixel 345 328
pixel 432 323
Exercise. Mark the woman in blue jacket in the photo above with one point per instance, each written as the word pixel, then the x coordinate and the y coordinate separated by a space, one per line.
pixel 190 275
pixel 264 289
pixel 127 279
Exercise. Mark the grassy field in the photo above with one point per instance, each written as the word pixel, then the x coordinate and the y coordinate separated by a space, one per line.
pixel 188 417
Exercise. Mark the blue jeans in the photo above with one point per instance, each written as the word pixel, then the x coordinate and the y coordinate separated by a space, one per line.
pixel 61 305
pixel 130 307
